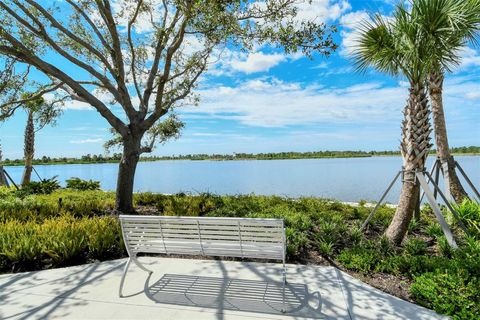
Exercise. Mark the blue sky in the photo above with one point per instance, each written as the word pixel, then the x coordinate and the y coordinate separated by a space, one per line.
pixel 266 101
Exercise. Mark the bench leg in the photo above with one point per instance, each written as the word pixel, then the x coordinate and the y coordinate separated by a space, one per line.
pixel 284 310
pixel 122 281
pixel 134 259
pixel 125 269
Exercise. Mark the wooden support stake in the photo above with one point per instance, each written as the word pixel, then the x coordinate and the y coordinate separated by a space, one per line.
pixel 436 210
pixel 449 206
pixel 437 177
pixel 446 179
pixel 379 203
pixel 434 167
pixel 467 179
pixel 11 180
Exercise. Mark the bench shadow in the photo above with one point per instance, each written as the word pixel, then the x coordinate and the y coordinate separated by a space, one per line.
pixel 235 294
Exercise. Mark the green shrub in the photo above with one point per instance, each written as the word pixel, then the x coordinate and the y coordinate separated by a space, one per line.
pixel 45 186
pixel 79 184
pixel 326 248
pixel 469 213
pixel 360 259
pixel 58 242
pixel 147 198
pixel 296 242
pixel 434 230
pixel 355 235
pixel 385 247
pixel 448 293
pixel 415 247
pixel 42 206
pixel 445 248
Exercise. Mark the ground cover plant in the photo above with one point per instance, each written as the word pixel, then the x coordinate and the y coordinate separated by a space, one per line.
pixel 69 227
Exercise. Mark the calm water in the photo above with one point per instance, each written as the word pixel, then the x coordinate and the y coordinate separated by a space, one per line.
pixel 350 179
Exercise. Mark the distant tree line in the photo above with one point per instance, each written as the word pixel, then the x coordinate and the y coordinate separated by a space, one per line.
pixel 115 157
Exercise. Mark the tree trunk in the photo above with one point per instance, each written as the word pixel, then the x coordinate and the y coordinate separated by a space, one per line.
pixel 452 183
pixel 3 178
pixel 28 149
pixel 406 206
pixel 126 175
pixel 414 147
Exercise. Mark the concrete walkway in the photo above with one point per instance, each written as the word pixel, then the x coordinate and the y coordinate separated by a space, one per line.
pixel 196 289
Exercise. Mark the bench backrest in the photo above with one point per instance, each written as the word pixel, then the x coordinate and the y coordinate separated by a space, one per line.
pixel 205 236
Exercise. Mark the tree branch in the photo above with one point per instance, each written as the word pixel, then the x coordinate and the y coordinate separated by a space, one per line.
pixel 52 87
pixel 156 60
pixel 25 55
pixel 68 33
pixel 106 13
pixel 132 51
pixel 42 33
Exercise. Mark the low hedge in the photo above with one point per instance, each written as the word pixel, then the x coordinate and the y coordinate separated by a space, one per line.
pixel 57 242
pixel 43 206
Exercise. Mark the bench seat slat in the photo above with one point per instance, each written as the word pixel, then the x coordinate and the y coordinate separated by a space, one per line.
pixel 261 232
pixel 265 247
pixel 232 222
pixel 227 238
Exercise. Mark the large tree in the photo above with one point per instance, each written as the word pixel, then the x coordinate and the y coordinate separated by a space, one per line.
pixel 144 56
pixel 448 25
pixel 394 46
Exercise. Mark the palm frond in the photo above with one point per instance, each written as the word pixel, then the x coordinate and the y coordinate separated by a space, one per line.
pixel 376 47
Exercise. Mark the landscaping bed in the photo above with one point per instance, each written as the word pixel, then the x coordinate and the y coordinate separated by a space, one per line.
pixel 69 227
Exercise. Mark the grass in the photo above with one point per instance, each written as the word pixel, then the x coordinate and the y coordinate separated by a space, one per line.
pixel 42 231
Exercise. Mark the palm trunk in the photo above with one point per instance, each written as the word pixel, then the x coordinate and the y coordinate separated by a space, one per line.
pixel 126 175
pixel 3 178
pixel 452 183
pixel 414 147
pixel 28 149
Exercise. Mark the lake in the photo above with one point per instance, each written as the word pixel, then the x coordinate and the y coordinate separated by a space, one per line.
pixel 350 179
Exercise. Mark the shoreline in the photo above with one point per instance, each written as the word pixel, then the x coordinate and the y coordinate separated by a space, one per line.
pixel 19 164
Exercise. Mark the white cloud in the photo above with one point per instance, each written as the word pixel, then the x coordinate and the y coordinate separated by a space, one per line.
pixel 273 103
pixel 77 105
pixel 322 10
pixel 257 62
pixel 83 141
pixel 351 23
pixel 470 58
pixel 473 95
pixel 321 65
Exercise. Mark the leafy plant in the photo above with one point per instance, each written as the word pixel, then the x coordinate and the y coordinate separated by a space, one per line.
pixel 434 230
pixel 359 258
pixel 445 248
pixel 448 293
pixel 415 247
pixel 79 184
pixel 45 186
pixel 326 247
pixel 469 213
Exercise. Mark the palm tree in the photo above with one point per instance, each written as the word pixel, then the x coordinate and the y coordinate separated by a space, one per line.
pixel 29 142
pixel 41 113
pixel 393 46
pixel 448 25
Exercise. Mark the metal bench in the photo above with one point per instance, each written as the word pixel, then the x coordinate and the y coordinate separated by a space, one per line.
pixel 203 236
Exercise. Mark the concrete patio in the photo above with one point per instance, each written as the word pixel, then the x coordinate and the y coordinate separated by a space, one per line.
pixel 196 289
